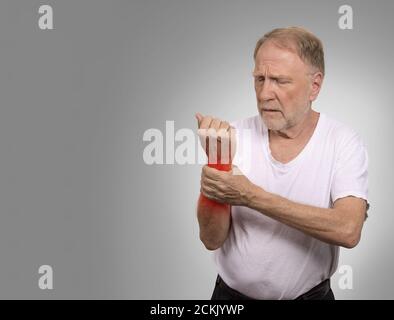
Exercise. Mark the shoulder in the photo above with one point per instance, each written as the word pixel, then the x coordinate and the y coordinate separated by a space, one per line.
pixel 341 133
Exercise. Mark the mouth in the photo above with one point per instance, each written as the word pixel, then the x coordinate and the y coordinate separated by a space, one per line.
pixel 270 110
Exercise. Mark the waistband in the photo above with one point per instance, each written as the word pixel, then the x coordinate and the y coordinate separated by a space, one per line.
pixel 316 292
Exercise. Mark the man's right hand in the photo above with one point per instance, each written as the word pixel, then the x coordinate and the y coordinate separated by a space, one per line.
pixel 217 138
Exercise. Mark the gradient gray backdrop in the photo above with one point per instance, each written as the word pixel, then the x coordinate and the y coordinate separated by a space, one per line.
pixel 75 102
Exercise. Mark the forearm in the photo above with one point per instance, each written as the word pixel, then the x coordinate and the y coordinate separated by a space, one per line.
pixel 214 221
pixel 326 224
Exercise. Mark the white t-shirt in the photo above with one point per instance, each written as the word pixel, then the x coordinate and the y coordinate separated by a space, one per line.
pixel 266 259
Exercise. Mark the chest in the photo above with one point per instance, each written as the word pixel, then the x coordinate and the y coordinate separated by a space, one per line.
pixel 286 152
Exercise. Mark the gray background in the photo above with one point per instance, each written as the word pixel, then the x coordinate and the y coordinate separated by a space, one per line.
pixel 75 102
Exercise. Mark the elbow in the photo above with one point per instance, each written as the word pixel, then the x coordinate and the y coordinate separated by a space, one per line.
pixel 211 245
pixel 350 243
pixel 351 238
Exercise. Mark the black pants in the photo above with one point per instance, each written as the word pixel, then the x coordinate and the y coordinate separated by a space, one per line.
pixel 223 292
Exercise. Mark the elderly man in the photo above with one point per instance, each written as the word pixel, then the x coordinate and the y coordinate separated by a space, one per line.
pixel 303 193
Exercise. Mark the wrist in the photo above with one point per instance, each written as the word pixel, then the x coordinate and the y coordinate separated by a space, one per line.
pixel 254 196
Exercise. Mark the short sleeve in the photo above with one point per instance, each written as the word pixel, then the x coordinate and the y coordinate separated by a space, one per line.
pixel 351 170
pixel 243 138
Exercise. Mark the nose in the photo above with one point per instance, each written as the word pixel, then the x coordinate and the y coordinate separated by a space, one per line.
pixel 265 92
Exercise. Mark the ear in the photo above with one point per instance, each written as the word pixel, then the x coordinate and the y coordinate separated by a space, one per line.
pixel 316 83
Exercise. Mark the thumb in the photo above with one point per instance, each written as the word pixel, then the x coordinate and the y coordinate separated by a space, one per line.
pixel 199 118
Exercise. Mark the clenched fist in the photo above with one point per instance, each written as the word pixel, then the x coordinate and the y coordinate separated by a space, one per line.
pixel 217 138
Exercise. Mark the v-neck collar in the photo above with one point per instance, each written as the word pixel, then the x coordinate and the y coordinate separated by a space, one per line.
pixel 285 166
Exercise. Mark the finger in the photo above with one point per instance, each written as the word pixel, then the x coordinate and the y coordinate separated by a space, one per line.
pixel 215 124
pixel 222 130
pixel 206 122
pixel 213 184
pixel 223 134
pixel 206 179
pixel 224 139
pixel 212 173
pixel 202 132
pixel 206 136
pixel 207 192
pixel 213 141
pixel 199 118
pixel 224 125
pixel 207 171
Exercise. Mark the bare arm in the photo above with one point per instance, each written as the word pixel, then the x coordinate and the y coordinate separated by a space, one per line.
pixel 340 225
pixel 215 218
pixel 214 222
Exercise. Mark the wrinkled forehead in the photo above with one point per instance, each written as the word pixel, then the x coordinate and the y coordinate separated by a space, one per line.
pixel 274 58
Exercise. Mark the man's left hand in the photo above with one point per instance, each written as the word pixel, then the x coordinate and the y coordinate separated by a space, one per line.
pixel 230 187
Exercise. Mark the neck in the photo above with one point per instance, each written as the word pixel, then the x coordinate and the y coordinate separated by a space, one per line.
pixel 300 130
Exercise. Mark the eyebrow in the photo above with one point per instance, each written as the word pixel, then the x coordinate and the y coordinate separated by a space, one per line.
pixel 273 76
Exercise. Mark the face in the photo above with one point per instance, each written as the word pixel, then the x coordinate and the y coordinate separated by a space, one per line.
pixel 285 85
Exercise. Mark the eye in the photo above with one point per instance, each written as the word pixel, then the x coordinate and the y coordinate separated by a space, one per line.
pixel 260 79
pixel 282 81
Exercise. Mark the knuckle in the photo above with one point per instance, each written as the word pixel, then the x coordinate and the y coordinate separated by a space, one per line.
pixel 222 132
pixel 225 125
